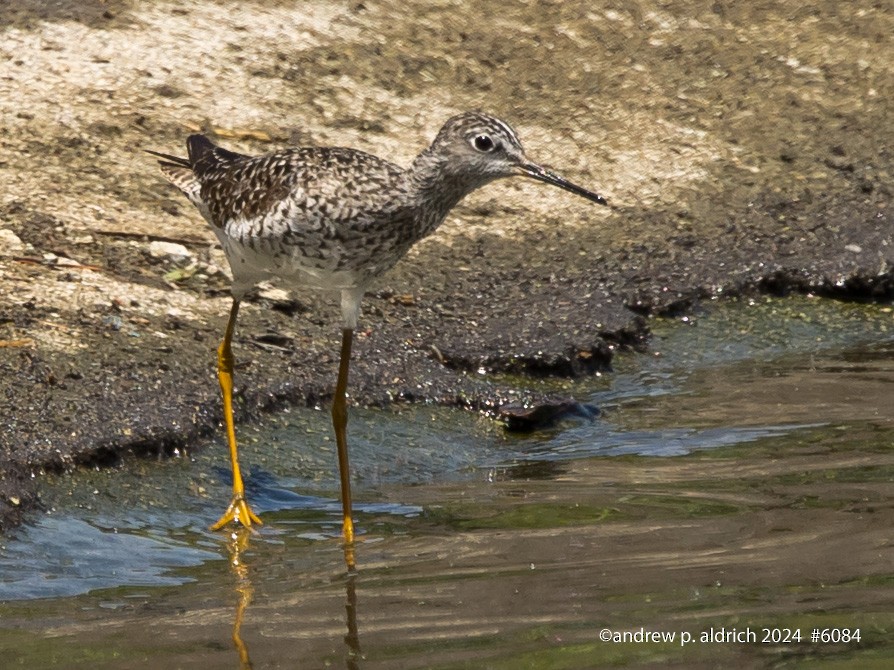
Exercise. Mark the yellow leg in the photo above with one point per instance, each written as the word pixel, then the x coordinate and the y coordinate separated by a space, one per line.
pixel 238 510
pixel 340 423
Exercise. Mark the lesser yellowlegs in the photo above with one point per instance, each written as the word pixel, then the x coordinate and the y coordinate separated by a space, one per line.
pixel 335 219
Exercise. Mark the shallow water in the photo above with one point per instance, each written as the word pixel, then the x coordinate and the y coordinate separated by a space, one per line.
pixel 739 478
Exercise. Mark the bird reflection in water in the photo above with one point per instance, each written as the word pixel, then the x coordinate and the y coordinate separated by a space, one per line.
pixel 237 546
pixel 352 639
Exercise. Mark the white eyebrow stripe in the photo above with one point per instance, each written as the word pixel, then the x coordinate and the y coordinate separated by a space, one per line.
pixel 507 130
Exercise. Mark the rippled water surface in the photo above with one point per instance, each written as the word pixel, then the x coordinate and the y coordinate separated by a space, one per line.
pixel 738 479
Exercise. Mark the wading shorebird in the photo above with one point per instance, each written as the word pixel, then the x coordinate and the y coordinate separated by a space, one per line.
pixel 335 219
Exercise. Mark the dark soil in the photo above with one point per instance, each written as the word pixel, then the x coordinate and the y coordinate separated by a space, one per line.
pixel 742 149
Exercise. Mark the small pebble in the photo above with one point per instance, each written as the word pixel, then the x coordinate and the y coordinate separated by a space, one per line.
pixel 171 251
pixel 10 243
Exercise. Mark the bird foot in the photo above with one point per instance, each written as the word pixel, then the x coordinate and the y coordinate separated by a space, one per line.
pixel 238 512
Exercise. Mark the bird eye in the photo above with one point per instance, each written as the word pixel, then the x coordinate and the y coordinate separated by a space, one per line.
pixel 483 143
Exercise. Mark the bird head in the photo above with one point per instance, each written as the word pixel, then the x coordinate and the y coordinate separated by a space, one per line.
pixel 476 148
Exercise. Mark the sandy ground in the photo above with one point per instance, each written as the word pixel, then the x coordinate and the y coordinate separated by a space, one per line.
pixel 742 148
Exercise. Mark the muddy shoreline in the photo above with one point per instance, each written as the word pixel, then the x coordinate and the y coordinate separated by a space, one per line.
pixel 742 151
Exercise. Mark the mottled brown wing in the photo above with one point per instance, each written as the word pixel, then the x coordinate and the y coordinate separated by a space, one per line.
pixel 344 187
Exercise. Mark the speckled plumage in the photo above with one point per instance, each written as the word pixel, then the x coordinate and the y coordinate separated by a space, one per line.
pixel 336 218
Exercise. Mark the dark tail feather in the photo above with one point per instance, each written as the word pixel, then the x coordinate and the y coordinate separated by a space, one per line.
pixel 168 159
pixel 200 148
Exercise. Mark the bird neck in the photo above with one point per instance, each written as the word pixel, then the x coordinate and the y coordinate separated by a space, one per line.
pixel 437 188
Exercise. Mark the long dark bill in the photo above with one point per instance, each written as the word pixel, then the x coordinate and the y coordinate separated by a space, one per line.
pixel 542 174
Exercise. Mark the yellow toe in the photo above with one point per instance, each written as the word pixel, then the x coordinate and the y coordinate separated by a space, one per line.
pixel 238 512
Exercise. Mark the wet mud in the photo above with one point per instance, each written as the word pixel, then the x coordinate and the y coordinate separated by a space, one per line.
pixel 742 149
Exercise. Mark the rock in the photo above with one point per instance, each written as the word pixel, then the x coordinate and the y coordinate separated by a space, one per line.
pixel 281 300
pixel 170 251
pixel 523 418
pixel 10 243
pixel 273 293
